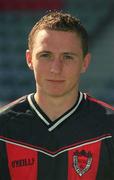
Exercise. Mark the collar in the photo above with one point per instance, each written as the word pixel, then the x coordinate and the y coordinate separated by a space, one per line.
pixel 52 125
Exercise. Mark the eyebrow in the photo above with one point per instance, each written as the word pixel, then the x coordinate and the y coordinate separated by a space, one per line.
pixel 43 52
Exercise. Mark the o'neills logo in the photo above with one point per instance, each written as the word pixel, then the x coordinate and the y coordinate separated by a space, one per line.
pixel 82 161
pixel 23 162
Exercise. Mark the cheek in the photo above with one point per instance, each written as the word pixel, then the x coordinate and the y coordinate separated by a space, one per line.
pixel 73 71
pixel 40 70
pixel 36 70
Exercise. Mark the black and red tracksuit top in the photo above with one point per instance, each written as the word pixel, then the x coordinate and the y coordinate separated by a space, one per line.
pixel 79 145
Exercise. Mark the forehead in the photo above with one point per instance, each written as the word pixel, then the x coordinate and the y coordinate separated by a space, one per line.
pixel 61 38
pixel 47 32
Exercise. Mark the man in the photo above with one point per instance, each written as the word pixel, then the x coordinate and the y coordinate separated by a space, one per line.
pixel 57 133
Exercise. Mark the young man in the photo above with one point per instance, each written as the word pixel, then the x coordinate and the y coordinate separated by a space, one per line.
pixel 57 133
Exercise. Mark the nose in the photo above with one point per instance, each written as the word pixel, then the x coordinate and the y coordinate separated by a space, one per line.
pixel 56 66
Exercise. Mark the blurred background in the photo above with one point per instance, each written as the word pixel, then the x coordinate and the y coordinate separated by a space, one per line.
pixel 16 20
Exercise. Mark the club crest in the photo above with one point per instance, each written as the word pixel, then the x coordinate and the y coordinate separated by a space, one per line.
pixel 82 161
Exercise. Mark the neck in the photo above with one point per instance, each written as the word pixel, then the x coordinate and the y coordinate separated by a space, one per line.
pixel 54 107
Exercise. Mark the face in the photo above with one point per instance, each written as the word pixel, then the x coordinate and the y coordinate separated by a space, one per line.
pixel 57 61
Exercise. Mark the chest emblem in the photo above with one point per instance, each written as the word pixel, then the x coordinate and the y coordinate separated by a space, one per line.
pixel 82 162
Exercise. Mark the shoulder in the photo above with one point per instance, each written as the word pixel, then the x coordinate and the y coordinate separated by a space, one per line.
pixel 14 107
pixel 15 115
pixel 101 113
pixel 97 104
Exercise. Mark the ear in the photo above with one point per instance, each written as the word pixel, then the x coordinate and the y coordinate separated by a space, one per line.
pixel 29 59
pixel 86 62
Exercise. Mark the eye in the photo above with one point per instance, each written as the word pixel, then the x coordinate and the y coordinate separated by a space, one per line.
pixel 68 57
pixel 45 55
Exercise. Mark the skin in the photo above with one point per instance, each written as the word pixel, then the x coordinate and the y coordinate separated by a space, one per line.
pixel 57 61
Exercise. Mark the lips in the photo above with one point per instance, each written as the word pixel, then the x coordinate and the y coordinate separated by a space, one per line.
pixel 56 81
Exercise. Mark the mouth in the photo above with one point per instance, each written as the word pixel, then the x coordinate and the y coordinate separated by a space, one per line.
pixel 55 81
